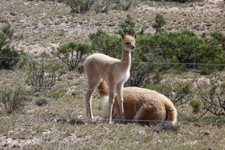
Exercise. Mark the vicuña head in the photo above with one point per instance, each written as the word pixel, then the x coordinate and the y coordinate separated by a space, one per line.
pixel 128 42
pixel 81 69
pixel 114 71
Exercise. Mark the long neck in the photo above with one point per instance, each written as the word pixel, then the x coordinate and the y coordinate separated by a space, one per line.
pixel 103 89
pixel 126 57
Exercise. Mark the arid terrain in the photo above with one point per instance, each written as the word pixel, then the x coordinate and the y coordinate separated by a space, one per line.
pixel 45 25
pixel 55 118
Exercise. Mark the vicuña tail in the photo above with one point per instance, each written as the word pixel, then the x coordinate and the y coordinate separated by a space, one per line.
pixel 171 111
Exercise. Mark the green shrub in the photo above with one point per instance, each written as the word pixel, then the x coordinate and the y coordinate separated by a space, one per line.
pixel 103 43
pixel 159 23
pixel 8 55
pixel 210 50
pixel 223 85
pixel 127 26
pixel 196 105
pixel 12 99
pixel 71 53
pixel 184 47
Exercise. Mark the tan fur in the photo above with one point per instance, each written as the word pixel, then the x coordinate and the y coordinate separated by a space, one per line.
pixel 142 104
pixel 114 71
pixel 81 69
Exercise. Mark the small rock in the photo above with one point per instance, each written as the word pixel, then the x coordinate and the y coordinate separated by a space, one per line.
pixel 15 146
pixel 210 148
pixel 41 102
pixel 141 132
pixel 12 14
pixel 69 134
pixel 206 133
pixel 201 4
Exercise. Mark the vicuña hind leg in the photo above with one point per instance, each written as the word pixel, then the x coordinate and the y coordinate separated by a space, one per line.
pixel 119 90
pixel 92 84
pixel 111 100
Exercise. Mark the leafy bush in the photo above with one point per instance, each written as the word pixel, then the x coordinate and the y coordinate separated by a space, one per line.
pixel 103 43
pixel 196 105
pixel 127 26
pixel 184 47
pixel 8 55
pixel 210 50
pixel 71 53
pixel 159 22
pixel 12 99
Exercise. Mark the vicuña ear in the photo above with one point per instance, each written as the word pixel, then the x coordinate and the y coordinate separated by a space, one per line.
pixel 134 35
pixel 123 35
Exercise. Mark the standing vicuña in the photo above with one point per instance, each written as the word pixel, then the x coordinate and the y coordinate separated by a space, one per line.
pixel 139 104
pixel 114 71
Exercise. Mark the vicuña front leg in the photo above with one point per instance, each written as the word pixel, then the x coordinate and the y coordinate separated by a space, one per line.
pixel 111 101
pixel 119 90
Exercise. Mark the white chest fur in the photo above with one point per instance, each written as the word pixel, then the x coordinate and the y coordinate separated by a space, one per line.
pixel 125 76
pixel 105 107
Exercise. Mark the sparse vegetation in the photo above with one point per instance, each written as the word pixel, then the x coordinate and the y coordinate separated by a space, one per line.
pixel 42 74
pixel 12 99
pixel 101 6
pixel 79 6
pixel 55 118
pixel 211 97
pixel 185 1
pixel 126 4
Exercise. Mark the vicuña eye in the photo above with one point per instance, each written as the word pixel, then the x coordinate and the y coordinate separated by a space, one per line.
pixel 127 43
